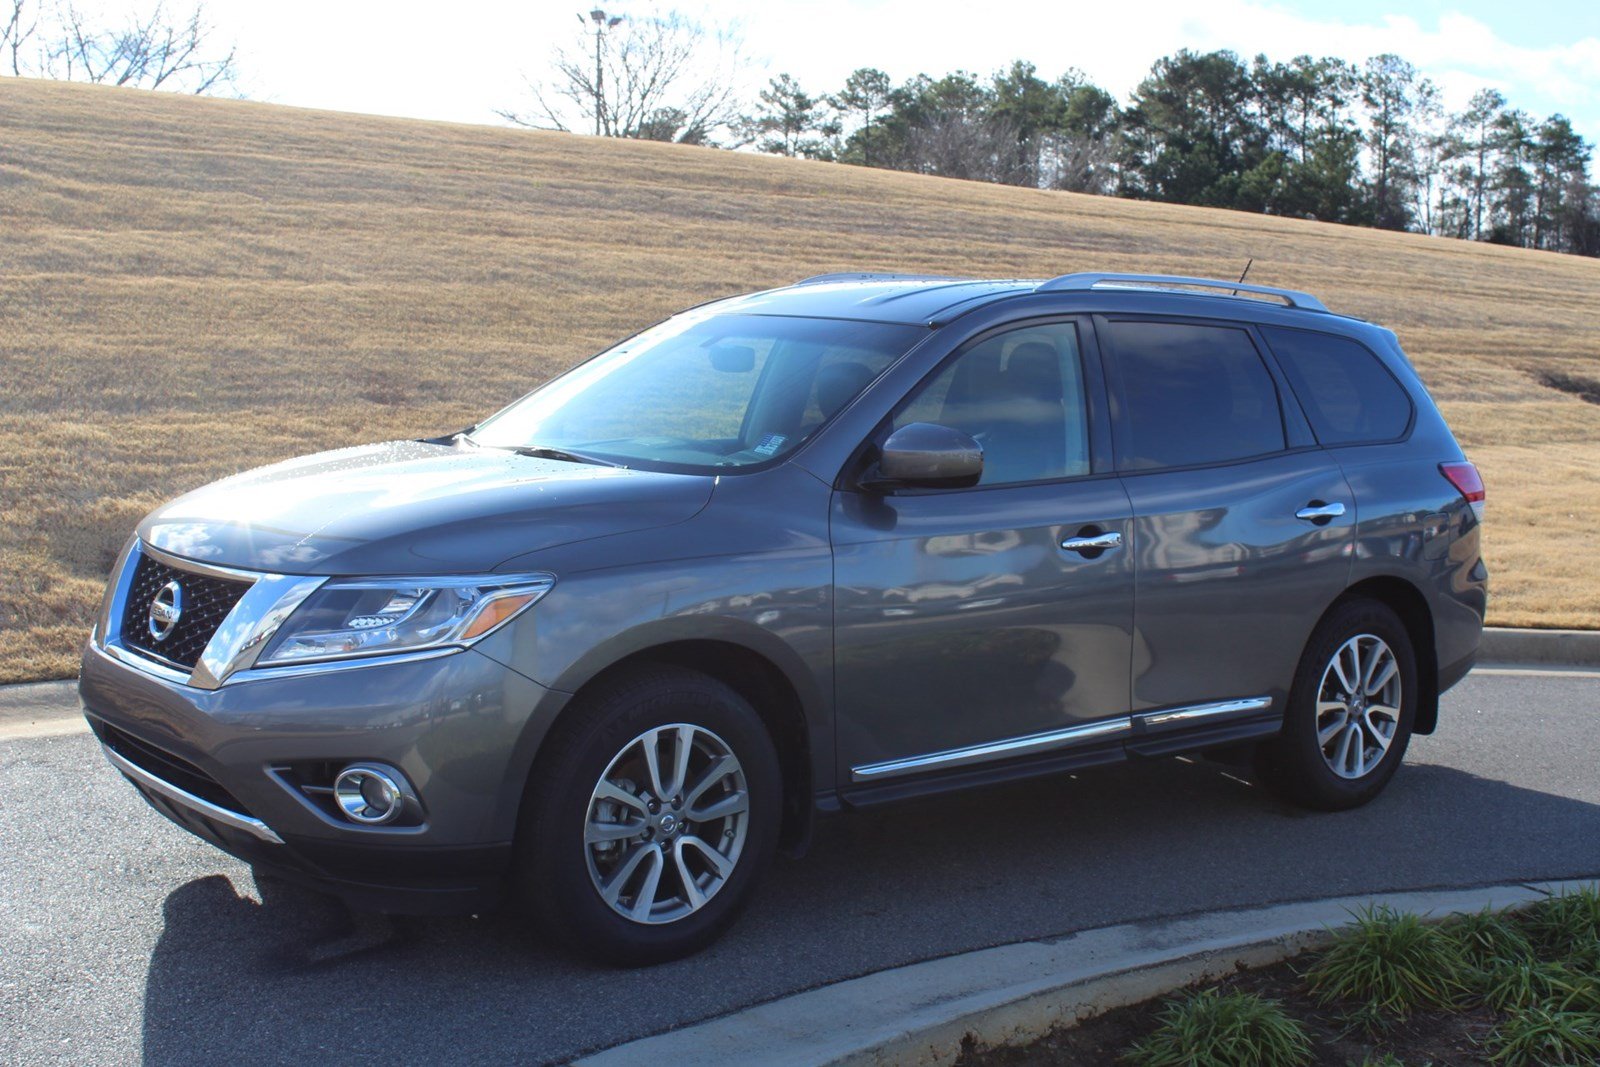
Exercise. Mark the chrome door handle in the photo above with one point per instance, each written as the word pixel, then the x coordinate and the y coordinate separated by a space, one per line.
pixel 1095 543
pixel 1320 513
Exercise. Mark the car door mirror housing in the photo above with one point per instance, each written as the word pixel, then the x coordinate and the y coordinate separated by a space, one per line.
pixel 923 455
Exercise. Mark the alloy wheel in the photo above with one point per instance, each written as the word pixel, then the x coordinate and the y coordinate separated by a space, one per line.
pixel 666 823
pixel 1358 706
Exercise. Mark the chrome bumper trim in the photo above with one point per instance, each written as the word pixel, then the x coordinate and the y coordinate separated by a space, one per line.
pixel 189 800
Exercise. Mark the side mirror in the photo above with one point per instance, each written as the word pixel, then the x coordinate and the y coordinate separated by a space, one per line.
pixel 923 455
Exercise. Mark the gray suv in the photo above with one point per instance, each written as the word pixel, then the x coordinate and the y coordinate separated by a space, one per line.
pixel 860 539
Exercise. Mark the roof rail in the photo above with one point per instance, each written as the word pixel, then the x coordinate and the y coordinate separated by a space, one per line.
pixel 870 276
pixel 1290 297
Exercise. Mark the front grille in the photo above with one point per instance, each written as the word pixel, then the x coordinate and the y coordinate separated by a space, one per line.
pixel 169 768
pixel 206 602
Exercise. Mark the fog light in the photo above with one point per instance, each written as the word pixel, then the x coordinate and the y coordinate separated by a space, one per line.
pixel 369 795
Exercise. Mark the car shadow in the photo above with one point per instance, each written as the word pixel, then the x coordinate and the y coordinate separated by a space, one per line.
pixel 287 974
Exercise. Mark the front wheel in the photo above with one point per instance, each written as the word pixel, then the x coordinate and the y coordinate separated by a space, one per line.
pixel 1350 713
pixel 650 817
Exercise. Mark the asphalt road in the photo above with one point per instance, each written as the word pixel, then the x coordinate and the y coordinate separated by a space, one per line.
pixel 123 938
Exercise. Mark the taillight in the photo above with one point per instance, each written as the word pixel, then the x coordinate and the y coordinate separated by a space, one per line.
pixel 1468 482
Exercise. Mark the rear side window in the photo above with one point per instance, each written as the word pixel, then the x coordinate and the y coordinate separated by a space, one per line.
pixel 1347 393
pixel 1192 394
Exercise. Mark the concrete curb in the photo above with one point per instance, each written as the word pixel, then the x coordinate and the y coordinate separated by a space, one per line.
pixel 1563 648
pixel 920 1014
pixel 40 709
pixel 38 697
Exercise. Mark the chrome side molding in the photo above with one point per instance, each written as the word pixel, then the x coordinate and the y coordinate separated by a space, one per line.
pixel 183 797
pixel 993 750
pixel 1072 736
pixel 1172 718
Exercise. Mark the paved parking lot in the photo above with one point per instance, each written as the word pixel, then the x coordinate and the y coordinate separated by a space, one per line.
pixel 123 938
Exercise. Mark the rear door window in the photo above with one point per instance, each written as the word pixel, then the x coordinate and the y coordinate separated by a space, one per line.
pixel 1192 394
pixel 1346 391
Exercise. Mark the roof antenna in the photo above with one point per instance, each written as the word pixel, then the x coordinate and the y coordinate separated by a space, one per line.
pixel 1247 265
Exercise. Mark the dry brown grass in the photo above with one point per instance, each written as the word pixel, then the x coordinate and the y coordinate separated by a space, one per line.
pixel 192 287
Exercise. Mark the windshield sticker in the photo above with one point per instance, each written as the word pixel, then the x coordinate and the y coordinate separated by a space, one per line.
pixel 770 444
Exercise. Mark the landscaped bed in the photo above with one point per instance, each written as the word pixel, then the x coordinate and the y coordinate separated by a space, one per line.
pixel 1506 989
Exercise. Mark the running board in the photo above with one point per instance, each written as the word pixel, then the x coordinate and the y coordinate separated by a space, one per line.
pixel 1144 732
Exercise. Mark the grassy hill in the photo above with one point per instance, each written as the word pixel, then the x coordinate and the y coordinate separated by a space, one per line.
pixel 191 287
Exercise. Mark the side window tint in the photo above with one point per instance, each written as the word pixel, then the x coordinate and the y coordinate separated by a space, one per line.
pixel 1021 395
pixel 1347 393
pixel 1193 394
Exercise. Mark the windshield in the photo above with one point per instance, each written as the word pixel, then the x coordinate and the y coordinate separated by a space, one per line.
pixel 703 392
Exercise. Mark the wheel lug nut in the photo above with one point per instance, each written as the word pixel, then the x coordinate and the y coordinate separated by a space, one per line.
pixel 654 807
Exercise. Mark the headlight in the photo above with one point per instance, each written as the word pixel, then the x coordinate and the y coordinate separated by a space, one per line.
pixel 376 616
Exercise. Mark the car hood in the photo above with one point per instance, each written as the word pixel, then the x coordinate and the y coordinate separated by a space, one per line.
pixel 412 508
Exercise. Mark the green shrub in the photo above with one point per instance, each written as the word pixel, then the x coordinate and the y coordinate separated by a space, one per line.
pixel 1488 940
pixel 1367 1018
pixel 1540 1038
pixel 1212 1029
pixel 1394 963
pixel 1515 985
pixel 1567 926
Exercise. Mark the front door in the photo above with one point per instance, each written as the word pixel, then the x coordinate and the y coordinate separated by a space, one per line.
pixel 979 625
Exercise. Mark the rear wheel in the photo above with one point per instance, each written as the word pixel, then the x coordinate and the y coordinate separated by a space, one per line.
pixel 650 817
pixel 1350 712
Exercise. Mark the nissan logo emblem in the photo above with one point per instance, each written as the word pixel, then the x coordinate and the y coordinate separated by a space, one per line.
pixel 166 608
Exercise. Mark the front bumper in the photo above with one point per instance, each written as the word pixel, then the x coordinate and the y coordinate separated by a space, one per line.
pixel 461 727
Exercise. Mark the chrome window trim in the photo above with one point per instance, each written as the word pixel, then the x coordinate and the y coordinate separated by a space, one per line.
pixel 1161 719
pixel 187 799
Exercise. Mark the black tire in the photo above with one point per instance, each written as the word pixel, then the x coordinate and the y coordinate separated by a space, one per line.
pixel 1293 764
pixel 557 870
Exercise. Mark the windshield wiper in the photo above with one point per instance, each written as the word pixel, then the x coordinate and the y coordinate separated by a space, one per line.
pixel 546 452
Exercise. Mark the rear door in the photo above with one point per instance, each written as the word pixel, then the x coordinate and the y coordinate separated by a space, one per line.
pixel 966 634
pixel 1241 523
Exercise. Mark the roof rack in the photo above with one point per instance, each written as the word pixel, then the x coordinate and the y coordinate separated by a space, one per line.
pixel 1290 297
pixel 869 276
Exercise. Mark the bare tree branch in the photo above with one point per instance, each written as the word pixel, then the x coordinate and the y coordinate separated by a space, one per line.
pixel 149 51
pixel 19 26
pixel 657 77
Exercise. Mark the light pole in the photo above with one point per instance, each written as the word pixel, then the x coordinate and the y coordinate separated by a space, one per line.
pixel 602 23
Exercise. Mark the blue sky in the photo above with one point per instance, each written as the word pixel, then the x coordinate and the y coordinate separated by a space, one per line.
pixel 462 60
pixel 1528 25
